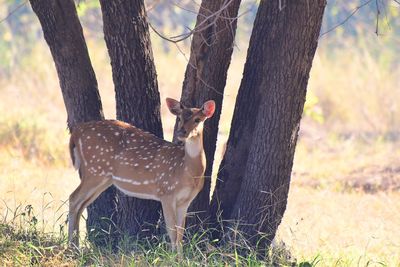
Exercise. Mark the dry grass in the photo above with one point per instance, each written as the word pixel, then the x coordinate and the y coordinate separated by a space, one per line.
pixel 355 228
pixel 353 91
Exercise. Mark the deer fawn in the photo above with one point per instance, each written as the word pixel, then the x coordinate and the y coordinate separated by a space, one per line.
pixel 112 152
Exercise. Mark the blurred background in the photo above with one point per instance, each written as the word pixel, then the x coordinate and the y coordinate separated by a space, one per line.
pixel 344 201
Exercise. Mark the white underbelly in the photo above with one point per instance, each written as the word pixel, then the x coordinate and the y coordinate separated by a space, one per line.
pixel 138 195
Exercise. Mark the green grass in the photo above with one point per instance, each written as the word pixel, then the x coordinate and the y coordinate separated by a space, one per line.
pixel 24 242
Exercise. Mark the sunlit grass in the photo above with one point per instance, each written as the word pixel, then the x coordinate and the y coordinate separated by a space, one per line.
pixel 23 242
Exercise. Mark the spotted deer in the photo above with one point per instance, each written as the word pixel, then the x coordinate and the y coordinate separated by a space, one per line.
pixel 138 163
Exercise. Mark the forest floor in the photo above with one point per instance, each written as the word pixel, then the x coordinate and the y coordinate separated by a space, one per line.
pixel 343 205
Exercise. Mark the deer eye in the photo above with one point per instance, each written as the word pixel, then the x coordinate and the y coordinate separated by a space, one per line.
pixel 197 120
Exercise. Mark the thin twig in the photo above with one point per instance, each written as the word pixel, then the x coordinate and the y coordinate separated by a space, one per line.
pixel 209 21
pixel 13 11
pixel 378 12
pixel 346 19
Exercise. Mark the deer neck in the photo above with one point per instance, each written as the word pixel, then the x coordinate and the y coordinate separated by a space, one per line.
pixel 194 153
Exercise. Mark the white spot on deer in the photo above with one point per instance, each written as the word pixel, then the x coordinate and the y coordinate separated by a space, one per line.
pixel 139 195
pixel 116 133
pixel 125 180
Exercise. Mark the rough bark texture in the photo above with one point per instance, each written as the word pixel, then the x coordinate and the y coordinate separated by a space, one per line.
pixel 255 172
pixel 63 33
pixel 205 79
pixel 137 98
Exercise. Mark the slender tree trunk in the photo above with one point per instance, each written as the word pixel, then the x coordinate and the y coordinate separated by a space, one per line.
pixel 63 33
pixel 255 172
pixel 205 79
pixel 127 37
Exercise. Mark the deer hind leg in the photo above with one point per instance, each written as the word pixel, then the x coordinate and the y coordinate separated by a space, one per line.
pixel 169 211
pixel 87 191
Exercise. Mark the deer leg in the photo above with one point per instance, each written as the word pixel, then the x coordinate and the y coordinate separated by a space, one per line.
pixel 181 212
pixel 73 219
pixel 169 211
pixel 83 195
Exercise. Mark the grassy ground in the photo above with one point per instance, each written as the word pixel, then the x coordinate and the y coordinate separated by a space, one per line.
pixel 344 199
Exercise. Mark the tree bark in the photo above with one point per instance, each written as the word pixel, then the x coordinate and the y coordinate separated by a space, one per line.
pixel 63 34
pixel 127 37
pixel 205 79
pixel 255 173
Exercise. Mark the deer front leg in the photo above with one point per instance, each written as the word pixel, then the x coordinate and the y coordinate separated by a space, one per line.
pixel 181 212
pixel 169 211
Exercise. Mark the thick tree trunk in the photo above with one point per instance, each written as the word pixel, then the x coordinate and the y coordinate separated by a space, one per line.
pixel 138 101
pixel 255 172
pixel 63 33
pixel 205 79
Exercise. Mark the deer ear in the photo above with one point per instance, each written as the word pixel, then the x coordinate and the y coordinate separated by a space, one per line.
pixel 208 108
pixel 174 106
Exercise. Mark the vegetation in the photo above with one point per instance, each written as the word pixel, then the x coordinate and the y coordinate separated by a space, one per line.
pixel 344 200
pixel 23 242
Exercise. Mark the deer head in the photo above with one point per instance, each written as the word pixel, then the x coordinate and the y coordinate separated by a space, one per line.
pixel 190 120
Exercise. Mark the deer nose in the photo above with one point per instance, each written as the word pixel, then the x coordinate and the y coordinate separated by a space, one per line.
pixel 182 132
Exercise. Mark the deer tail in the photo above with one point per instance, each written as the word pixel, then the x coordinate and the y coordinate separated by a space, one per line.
pixel 73 151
